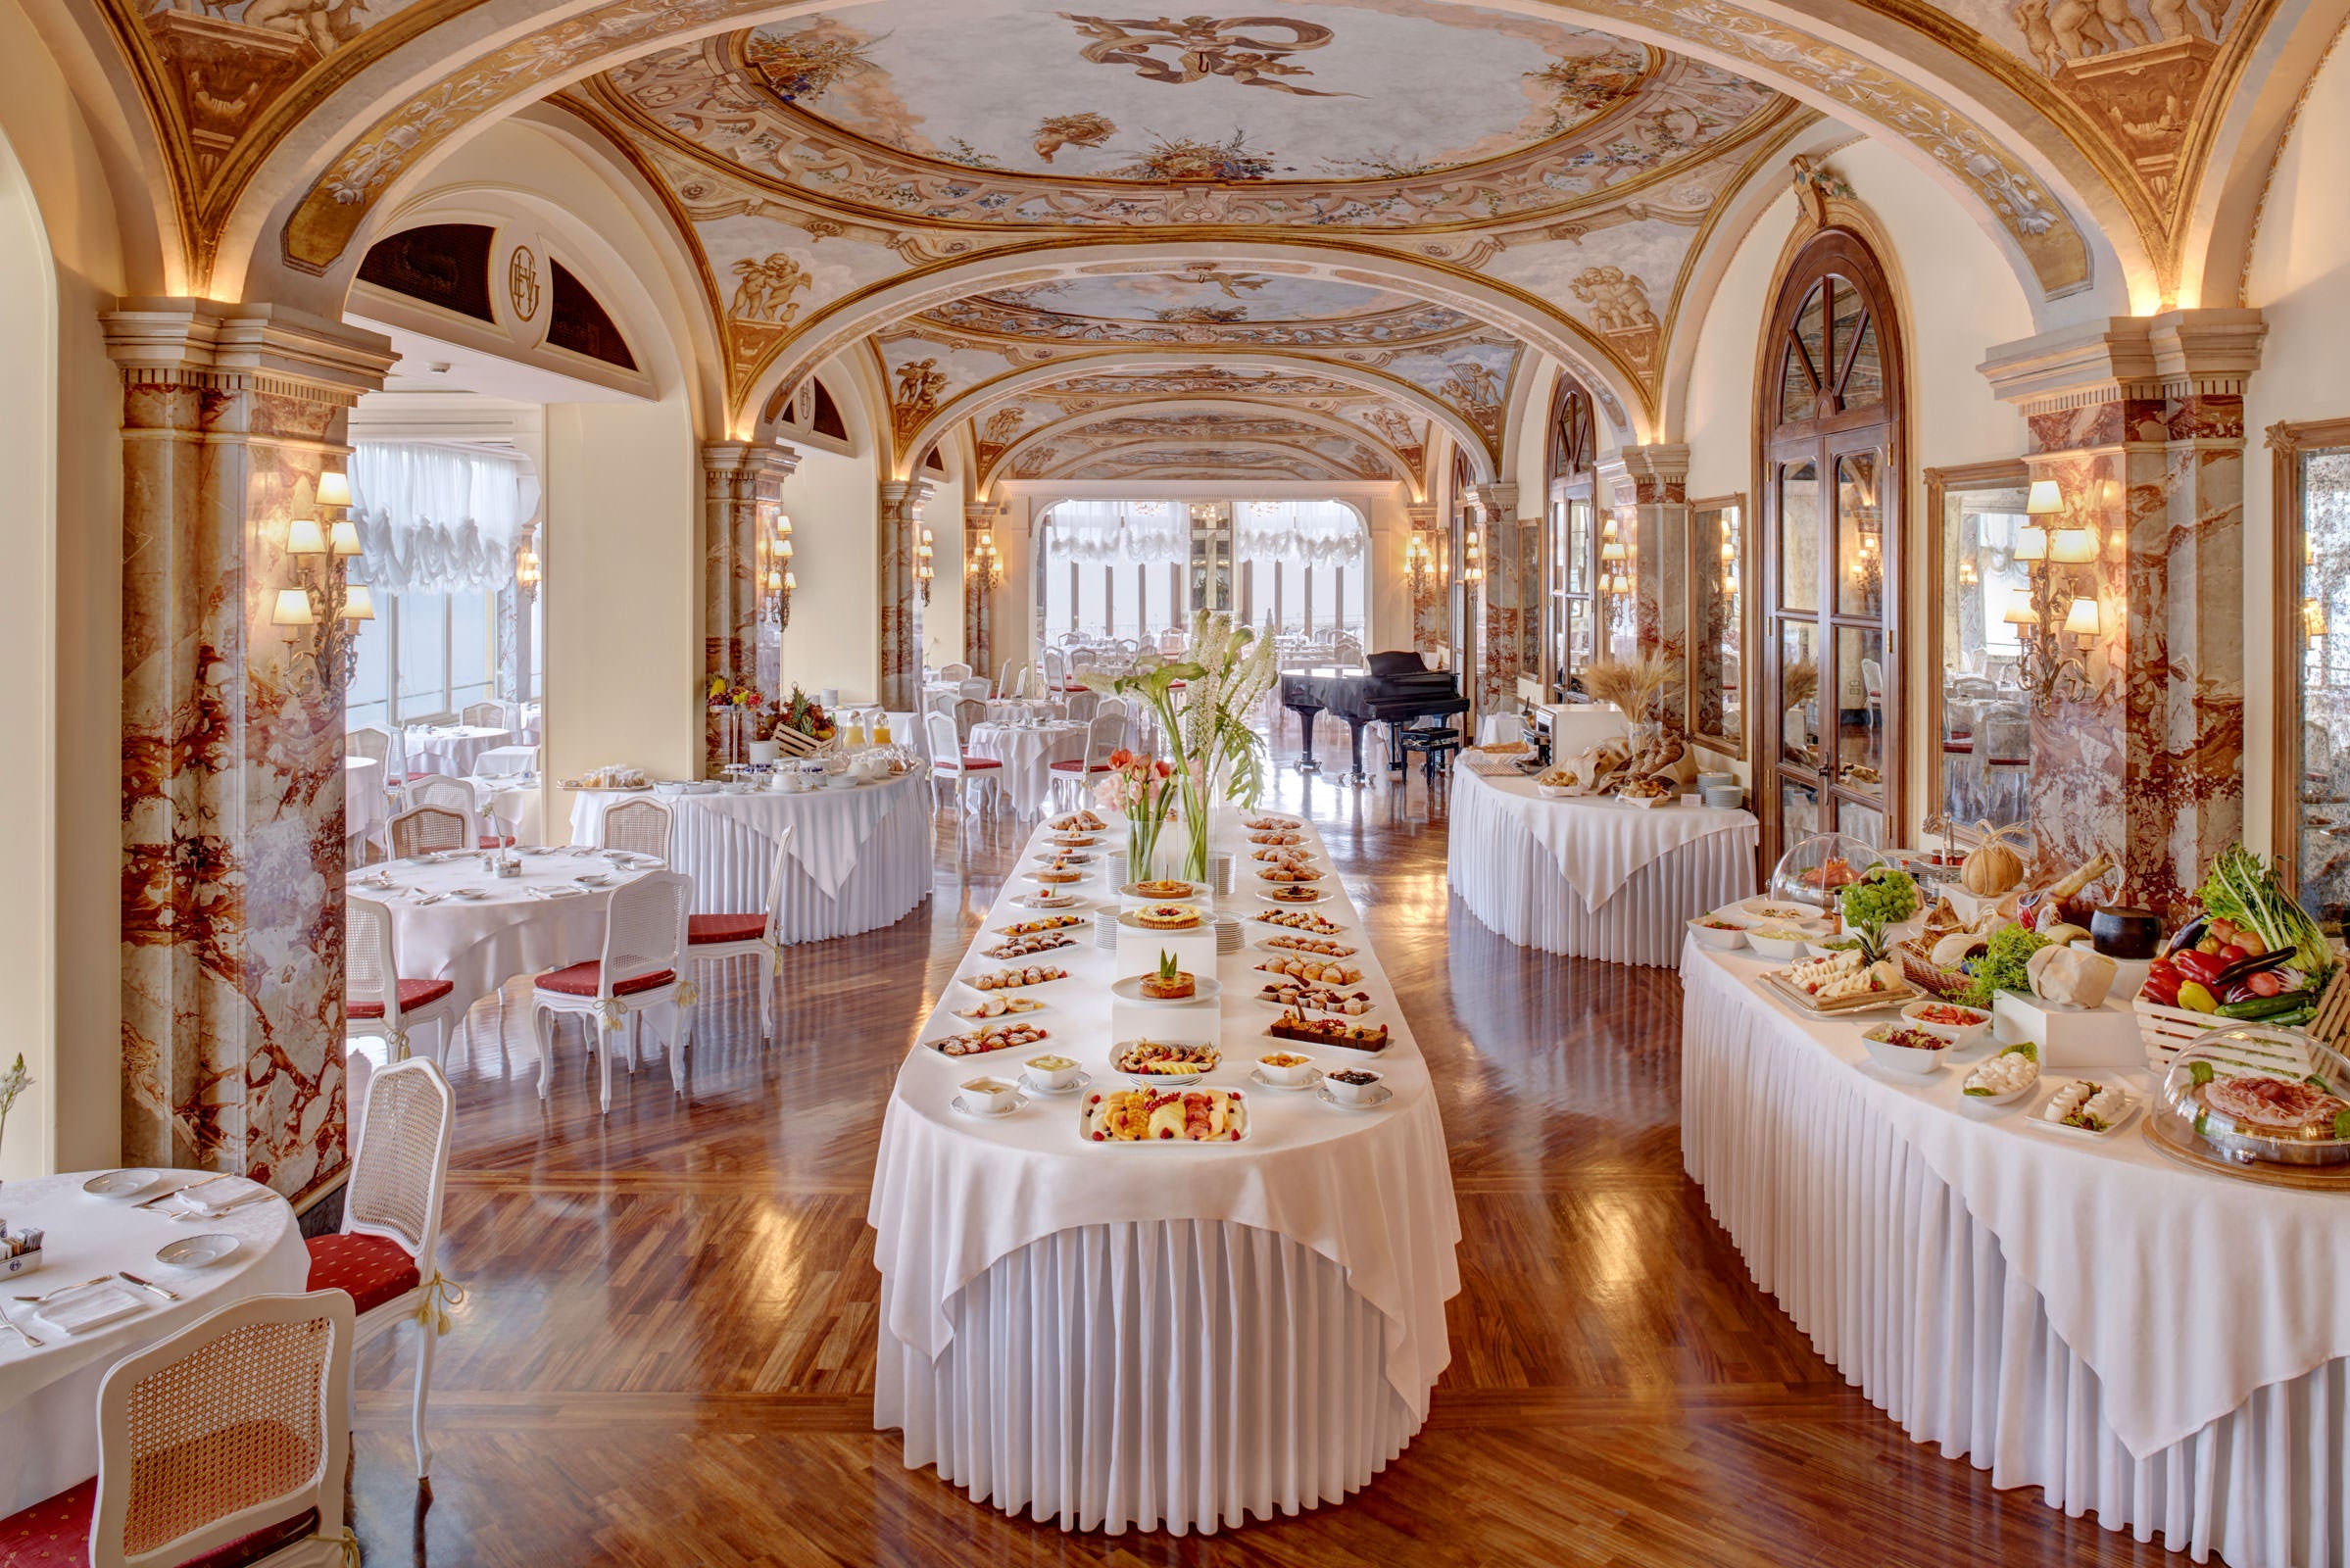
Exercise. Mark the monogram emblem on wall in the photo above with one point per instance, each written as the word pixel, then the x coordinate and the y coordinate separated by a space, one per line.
pixel 523 283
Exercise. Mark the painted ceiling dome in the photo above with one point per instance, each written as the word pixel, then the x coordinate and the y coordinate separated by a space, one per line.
pixel 1316 94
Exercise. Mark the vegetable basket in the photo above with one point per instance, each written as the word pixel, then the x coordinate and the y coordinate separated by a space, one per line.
pixel 2169 1030
pixel 1919 969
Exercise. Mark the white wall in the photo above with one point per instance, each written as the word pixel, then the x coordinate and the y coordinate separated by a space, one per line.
pixel 942 616
pixel 1957 298
pixel 2300 280
pixel 834 501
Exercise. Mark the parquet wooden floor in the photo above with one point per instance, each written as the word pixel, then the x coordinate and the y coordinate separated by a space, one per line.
pixel 666 1354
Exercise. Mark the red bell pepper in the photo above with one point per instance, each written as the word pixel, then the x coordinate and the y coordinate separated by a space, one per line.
pixel 2201 967
pixel 2161 989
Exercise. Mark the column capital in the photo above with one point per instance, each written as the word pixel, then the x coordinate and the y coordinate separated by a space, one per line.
pixel 260 348
pixel 1657 472
pixel 2210 351
pixel 907 497
pixel 1424 514
pixel 1498 501
pixel 755 460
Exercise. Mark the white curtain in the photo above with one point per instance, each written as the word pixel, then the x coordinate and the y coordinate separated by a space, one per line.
pixel 1311 533
pixel 439 518
pixel 1129 532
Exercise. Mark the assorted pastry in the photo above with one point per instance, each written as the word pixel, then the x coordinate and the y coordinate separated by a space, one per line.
pixel 1160 1059
pixel 1080 823
pixel 1168 917
pixel 1277 838
pixel 1142 1116
pixel 1300 920
pixel 979 1042
pixel 1058 873
pixel 1314 945
pixel 1271 824
pixel 1318 999
pixel 1159 888
pixel 1284 856
pixel 1644 789
pixel 1027 947
pixel 1038 927
pixel 1073 841
pixel 1062 857
pixel 1289 874
pixel 998 1006
pixel 1294 895
pixel 1315 971
pixel 1034 974
pixel 1296 1025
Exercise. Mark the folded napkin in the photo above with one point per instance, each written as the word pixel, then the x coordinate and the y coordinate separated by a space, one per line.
pixel 88 1306
pixel 216 1196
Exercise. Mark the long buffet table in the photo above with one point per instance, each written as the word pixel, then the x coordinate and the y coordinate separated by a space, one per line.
pixel 1595 878
pixel 1170 1335
pixel 2165 1348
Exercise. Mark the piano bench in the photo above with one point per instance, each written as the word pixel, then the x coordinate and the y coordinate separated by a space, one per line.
pixel 1437 746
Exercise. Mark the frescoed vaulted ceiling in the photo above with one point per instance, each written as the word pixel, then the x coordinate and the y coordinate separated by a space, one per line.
pixel 1382 213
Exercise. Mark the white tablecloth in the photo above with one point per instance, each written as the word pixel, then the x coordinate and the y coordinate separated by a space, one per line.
pixel 480 943
pixel 49 1396
pixel 514 802
pixel 453 749
pixel 363 805
pixel 2159 1345
pixel 1028 755
pixel 1177 1338
pixel 861 858
pixel 1596 878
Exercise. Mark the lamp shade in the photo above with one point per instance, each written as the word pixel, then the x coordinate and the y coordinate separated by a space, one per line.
pixel 2073 547
pixel 2031 544
pixel 293 609
pixel 304 537
pixel 359 602
pixel 2044 497
pixel 334 490
pixel 791 583
pixel 2081 619
pixel 2018 614
pixel 343 538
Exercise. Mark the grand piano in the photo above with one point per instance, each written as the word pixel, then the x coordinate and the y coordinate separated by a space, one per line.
pixel 1397 688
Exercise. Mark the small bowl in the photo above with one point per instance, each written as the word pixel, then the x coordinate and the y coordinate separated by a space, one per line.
pixel 196 1251
pixel 991 1096
pixel 2012 1094
pixel 1060 1077
pixel 1351 1093
pixel 120 1184
pixel 1782 947
pixel 1293 1074
pixel 1960 1035
pixel 1910 1062
pixel 1719 938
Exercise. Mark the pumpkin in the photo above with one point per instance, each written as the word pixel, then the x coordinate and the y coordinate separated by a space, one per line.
pixel 1991 867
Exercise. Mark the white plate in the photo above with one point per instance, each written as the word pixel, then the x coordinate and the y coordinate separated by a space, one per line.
pixel 1320 895
pixel 1035 1088
pixel 1045 901
pixel 1017 1100
pixel 1130 988
pixel 1128 920
pixel 1038 877
pixel 2007 1099
pixel 1319 1012
pixel 592 879
pixel 1272 824
pixel 1381 1093
pixel 121 1182
pixel 1313 1080
pixel 1267 945
pixel 2039 1104
pixel 469 893
pixel 1285 882
pixel 1070 856
pixel 1191 889
pixel 1002 1018
pixel 195 1252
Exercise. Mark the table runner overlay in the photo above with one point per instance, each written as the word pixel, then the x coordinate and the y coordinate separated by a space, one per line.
pixel 1597 842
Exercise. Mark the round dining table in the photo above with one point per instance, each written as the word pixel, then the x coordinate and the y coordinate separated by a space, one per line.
pixel 451 749
pixel 49 1392
pixel 454 919
pixel 364 806
pixel 1028 753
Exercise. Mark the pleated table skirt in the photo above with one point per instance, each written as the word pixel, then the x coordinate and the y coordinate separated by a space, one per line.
pixel 1175 1375
pixel 729 862
pixel 1511 883
pixel 1878 1260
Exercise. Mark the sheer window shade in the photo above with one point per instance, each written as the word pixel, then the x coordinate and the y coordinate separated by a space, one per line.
pixel 439 518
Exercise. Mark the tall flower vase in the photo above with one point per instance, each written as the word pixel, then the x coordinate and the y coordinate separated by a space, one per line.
pixel 1199 827
pixel 1142 846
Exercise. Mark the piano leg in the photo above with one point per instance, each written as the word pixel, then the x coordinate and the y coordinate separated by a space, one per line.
pixel 1358 776
pixel 1305 745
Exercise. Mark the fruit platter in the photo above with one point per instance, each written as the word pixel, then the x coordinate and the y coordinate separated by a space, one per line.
pixel 1151 1117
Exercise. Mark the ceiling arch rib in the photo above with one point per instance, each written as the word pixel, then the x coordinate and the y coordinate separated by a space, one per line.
pixel 416 98
pixel 1195 420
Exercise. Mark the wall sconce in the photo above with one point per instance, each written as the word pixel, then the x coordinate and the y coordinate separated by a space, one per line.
pixel 528 572
pixel 2046 612
pixel 293 609
pixel 924 573
pixel 359 603
pixel 304 537
pixel 986 564
pixel 1472 556
pixel 2083 621
pixel 2073 547
pixel 2313 618
pixel 1419 561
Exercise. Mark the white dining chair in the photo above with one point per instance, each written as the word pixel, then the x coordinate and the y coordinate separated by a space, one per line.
pixel 456 795
pixel 644 944
pixel 711 938
pixel 974 689
pixel 425 829
pixel 386 1256
pixel 1081 707
pixel 950 761
pixel 384 747
pixel 968 713
pixel 640 827
pixel 1076 774
pixel 378 1002
pixel 956 672
pixel 486 715
pixel 1004 678
pixel 235 1430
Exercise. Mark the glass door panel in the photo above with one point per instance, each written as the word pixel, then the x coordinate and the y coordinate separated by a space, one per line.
pixel 1798 810
pixel 2323 668
pixel 1800 693
pixel 1800 535
pixel 1860 763
pixel 1859 536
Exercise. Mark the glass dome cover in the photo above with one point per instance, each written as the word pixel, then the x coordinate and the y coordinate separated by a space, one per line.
pixel 2253 1093
pixel 1822 866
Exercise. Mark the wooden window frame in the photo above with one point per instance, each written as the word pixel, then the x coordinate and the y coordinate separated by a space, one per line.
pixel 1742 745
pixel 2006 473
pixel 2289 443
pixel 1570 470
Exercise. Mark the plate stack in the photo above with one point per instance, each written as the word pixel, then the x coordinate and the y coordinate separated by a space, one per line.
pixel 1229 935
pixel 1105 929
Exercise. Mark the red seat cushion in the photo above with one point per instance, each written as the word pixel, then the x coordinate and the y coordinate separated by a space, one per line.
pixel 414 994
pixel 725 927
pixel 968 761
pixel 1076 765
pixel 55 1532
pixel 492 841
pixel 370 1269
pixel 580 979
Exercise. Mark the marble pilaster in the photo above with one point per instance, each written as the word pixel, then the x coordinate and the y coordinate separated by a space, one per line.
pixel 232 739
pixel 1430 636
pixel 899 683
pixel 1652 514
pixel 742 495
pixel 979 617
pixel 2140 422
pixel 1505 601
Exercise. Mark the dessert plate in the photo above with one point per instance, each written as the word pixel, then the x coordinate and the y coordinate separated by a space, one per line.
pixel 1130 988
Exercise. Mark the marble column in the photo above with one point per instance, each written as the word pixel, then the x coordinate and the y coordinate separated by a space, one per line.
pixel 1430 637
pixel 2140 420
pixel 979 641
pixel 1653 514
pixel 899 682
pixel 232 738
pixel 1504 599
pixel 742 636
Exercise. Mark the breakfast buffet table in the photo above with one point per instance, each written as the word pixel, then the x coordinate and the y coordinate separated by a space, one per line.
pixel 1028 753
pixel 860 854
pixel 1592 878
pixel 1160 1335
pixel 2165 1348
pixel 51 1389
